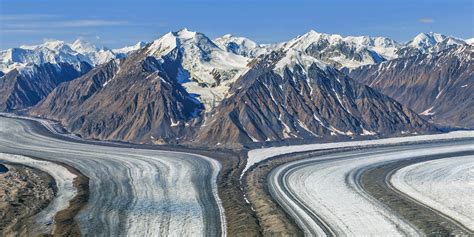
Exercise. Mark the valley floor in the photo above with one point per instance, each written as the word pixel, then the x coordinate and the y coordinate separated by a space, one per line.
pixel 399 186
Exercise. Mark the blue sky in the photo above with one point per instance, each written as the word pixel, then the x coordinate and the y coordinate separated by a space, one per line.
pixel 119 22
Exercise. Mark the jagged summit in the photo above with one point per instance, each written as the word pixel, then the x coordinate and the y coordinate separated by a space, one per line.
pixel 243 46
pixel 58 51
pixel 426 39
pixel 205 70
pixel 52 44
pixel 432 42
pixel 231 90
pixel 82 46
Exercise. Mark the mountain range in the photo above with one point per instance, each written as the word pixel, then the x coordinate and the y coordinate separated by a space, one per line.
pixel 186 88
pixel 437 85
pixel 56 51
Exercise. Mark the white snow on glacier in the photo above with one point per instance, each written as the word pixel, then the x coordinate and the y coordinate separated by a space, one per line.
pixel 257 155
pixel 446 185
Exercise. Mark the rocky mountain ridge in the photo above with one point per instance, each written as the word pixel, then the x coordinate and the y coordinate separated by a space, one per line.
pixel 284 95
pixel 26 86
pixel 437 85
pixel 56 51
pixel 186 88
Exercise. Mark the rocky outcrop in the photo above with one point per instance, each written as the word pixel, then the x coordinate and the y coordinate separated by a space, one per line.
pixel 437 85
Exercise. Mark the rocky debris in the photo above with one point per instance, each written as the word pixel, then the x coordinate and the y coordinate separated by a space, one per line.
pixel 23 192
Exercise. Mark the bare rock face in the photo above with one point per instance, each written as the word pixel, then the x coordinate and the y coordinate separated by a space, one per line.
pixel 133 99
pixel 22 88
pixel 438 85
pixel 282 97
pixel 275 101
pixel 184 88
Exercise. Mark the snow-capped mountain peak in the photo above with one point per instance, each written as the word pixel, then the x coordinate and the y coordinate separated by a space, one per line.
pixel 182 39
pixel 163 45
pixel 430 42
pixel 424 40
pixel 53 45
pixel 129 49
pixel 241 41
pixel 57 51
pixel 52 51
pixel 207 70
pixel 338 51
pixel 242 46
pixel 82 46
pixel 304 41
pixel 185 33
pixel 196 50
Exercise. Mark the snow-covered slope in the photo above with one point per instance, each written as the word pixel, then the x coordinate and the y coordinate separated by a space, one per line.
pixel 96 56
pixel 243 46
pixel 206 70
pixel 427 42
pixel 226 56
pixel 56 51
pixel 346 49
pixel 49 52
pixel 470 41
pixel 295 58
pixel 128 49
pixel 349 52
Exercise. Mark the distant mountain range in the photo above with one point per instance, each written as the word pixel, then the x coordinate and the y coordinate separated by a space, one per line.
pixel 56 51
pixel 186 88
pixel 345 52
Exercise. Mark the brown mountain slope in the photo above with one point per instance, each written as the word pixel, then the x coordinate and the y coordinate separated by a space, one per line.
pixel 139 99
pixel 439 86
pixel 22 88
pixel 129 100
pixel 294 102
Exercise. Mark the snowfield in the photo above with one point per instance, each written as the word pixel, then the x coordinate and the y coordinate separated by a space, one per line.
pixel 446 185
pixel 258 155
pixel 323 194
pixel 133 192
pixel 203 62
pixel 64 182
